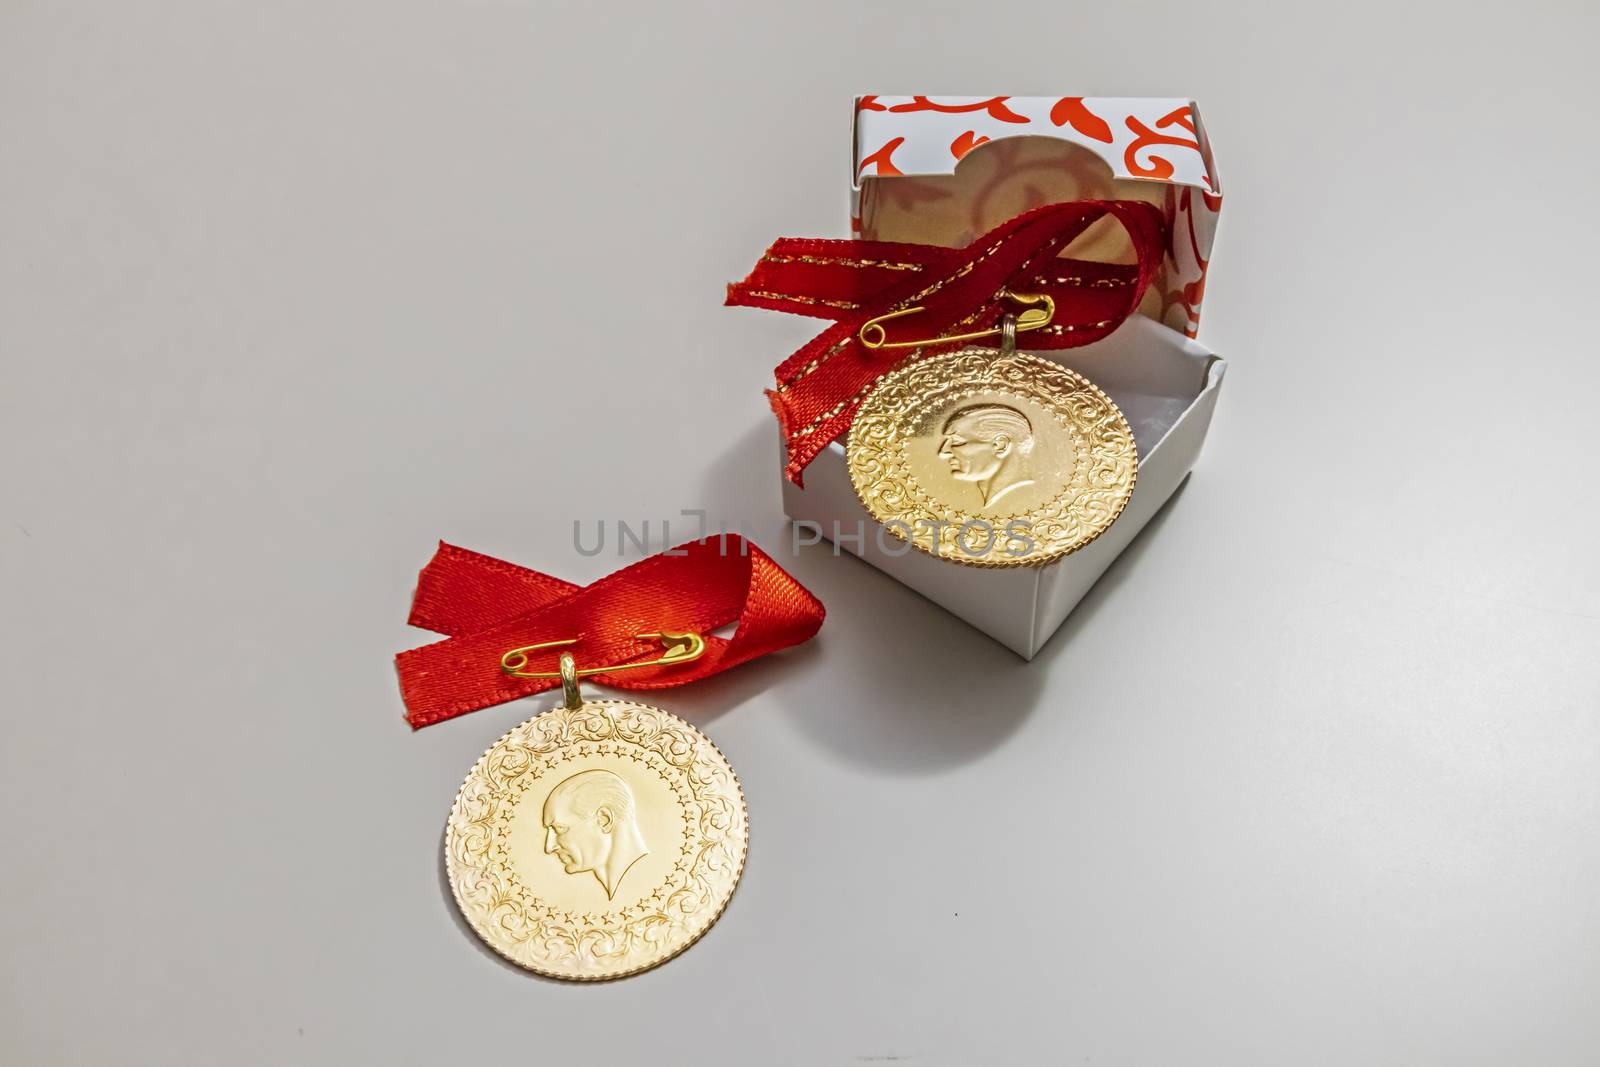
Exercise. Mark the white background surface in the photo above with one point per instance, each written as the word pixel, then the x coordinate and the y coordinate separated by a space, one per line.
pixel 288 292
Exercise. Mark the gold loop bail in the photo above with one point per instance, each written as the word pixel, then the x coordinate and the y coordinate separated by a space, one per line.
pixel 569 682
pixel 1038 311
pixel 1008 335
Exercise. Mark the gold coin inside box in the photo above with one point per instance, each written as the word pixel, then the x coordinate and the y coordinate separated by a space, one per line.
pixel 991 458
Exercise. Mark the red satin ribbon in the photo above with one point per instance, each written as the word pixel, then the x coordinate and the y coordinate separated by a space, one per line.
pixel 489 606
pixel 961 289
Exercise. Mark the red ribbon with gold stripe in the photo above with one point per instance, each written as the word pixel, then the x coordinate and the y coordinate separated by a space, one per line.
pixel 960 290
pixel 489 607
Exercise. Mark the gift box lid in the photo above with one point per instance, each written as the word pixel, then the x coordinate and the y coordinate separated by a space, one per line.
pixel 1146 138
pixel 944 170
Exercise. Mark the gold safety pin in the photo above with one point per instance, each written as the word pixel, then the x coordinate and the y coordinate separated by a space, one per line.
pixel 1040 309
pixel 677 648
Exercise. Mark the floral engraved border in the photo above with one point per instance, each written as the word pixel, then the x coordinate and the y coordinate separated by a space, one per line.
pixel 1101 484
pixel 514 921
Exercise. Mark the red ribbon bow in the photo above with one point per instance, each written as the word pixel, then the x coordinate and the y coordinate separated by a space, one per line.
pixel 489 607
pixel 960 289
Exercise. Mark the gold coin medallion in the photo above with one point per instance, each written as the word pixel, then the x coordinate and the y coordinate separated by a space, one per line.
pixel 596 841
pixel 991 458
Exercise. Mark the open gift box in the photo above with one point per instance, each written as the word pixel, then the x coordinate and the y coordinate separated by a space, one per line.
pixel 945 170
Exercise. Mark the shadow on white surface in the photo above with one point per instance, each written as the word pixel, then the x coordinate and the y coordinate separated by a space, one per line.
pixel 941 693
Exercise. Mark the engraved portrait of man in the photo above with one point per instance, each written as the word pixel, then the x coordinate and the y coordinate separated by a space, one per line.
pixel 590 824
pixel 988 444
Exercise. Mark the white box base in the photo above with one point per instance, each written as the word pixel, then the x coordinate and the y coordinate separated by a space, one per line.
pixel 1166 386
